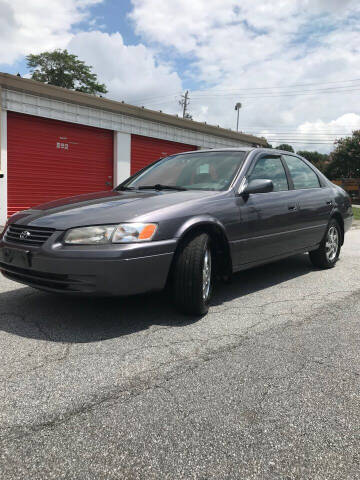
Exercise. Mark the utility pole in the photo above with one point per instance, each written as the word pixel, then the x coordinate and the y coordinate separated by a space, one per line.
pixel 237 107
pixel 184 102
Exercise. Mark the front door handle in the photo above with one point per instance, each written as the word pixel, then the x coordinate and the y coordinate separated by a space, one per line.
pixel 329 202
pixel 292 208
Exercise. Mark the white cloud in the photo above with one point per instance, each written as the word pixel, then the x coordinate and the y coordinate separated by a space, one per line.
pixel 187 24
pixel 34 26
pixel 182 24
pixel 338 128
pixel 130 72
pixel 235 47
pixel 322 132
pixel 232 49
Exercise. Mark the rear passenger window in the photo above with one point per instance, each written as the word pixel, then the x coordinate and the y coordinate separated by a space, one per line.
pixel 270 168
pixel 302 175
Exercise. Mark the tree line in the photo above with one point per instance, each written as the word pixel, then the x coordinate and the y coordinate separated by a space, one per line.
pixel 342 162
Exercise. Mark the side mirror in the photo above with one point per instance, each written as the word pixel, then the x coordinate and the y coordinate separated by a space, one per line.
pixel 260 185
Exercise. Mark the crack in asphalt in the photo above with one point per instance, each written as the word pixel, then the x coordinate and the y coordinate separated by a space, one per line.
pixel 313 360
pixel 63 356
pixel 139 385
pixel 143 382
pixel 190 340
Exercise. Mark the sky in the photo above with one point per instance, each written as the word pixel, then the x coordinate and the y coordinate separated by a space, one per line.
pixel 293 64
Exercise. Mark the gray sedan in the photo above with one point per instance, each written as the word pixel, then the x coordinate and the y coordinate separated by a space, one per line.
pixel 183 221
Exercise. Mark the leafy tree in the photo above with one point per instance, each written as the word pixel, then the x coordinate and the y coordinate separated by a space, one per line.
pixel 345 159
pixel 320 160
pixel 267 144
pixel 63 69
pixel 285 146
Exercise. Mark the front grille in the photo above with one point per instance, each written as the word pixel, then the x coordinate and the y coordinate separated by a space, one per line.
pixel 27 235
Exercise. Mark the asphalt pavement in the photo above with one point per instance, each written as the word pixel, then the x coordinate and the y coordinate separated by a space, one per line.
pixel 266 386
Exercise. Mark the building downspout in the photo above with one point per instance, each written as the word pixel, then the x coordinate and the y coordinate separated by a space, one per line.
pixel 3 163
pixel 1 172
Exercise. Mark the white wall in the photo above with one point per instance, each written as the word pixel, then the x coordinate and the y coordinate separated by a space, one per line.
pixel 122 157
pixel 3 153
pixel 67 112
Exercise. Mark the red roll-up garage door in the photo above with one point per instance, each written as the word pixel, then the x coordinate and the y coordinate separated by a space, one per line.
pixel 145 150
pixel 49 159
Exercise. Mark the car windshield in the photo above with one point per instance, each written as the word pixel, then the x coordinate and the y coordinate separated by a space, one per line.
pixel 195 171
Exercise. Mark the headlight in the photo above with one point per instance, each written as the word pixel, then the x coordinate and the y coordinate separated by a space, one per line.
pixel 134 232
pixel 104 234
pixel 90 235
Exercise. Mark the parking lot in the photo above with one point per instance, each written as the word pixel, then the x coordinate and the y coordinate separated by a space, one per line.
pixel 266 386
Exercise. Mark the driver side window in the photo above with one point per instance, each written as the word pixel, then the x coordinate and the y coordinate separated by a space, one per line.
pixel 270 168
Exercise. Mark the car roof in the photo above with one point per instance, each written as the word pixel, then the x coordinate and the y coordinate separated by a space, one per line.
pixel 239 149
pixel 235 149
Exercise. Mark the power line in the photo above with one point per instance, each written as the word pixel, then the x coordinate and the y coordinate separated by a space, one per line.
pixel 303 139
pixel 305 142
pixel 271 91
pixel 239 92
pixel 313 134
pixel 272 132
pixel 309 137
pixel 294 94
pixel 201 97
pixel 266 131
pixel 327 137
pixel 263 126
pixel 300 133
pixel 172 95
pixel 247 89
pixel 301 85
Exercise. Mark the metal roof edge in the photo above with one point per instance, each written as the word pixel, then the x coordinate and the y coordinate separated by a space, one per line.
pixel 32 87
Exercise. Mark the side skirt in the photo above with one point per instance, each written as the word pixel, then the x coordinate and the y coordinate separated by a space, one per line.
pixel 246 266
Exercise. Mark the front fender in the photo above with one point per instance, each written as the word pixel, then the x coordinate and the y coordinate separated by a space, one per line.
pixel 198 221
pixel 342 220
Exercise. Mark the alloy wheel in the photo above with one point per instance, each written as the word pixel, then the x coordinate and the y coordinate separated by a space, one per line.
pixel 332 243
pixel 206 275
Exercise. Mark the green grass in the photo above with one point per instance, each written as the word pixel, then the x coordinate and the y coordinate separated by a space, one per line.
pixel 356 213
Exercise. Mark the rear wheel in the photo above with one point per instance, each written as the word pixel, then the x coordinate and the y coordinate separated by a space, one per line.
pixel 193 275
pixel 328 252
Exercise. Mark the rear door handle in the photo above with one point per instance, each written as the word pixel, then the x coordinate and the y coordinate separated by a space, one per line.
pixel 292 208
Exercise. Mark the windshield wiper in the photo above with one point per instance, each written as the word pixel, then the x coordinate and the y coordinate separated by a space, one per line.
pixel 123 187
pixel 159 186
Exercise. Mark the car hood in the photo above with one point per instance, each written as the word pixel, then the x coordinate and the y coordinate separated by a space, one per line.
pixel 103 208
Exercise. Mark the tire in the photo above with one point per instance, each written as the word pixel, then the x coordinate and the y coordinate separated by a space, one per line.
pixel 328 252
pixel 193 276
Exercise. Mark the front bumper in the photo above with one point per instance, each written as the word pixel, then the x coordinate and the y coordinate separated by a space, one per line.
pixel 101 270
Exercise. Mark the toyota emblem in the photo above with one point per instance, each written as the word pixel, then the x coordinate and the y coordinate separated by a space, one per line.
pixel 25 235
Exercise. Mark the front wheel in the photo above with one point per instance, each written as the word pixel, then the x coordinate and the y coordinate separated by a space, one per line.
pixel 193 275
pixel 328 252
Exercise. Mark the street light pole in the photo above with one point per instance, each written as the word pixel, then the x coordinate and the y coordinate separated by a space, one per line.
pixel 237 107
